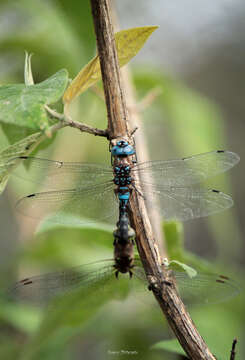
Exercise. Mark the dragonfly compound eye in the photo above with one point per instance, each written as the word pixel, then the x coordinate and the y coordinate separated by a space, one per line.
pixel 122 143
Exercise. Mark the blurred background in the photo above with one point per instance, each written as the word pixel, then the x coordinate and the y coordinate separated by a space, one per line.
pixel 196 58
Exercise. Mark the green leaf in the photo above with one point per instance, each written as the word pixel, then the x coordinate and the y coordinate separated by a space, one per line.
pixel 23 105
pixel 73 222
pixel 174 235
pixel 9 156
pixel 176 265
pixel 15 133
pixel 86 243
pixel 23 317
pixel 128 43
pixel 74 309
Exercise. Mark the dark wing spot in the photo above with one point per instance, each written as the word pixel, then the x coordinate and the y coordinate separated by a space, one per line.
pixel 215 191
pixel 27 282
pixel 220 281
pixel 224 277
pixel 31 195
pixel 23 157
pixel 24 280
pixel 220 151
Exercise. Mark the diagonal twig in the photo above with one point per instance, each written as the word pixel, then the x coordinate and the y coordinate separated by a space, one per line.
pixel 67 121
pixel 119 127
pixel 233 353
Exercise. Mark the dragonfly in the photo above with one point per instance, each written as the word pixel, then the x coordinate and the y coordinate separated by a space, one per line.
pixel 102 275
pixel 100 190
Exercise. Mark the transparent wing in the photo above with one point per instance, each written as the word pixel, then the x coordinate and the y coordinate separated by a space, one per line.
pixel 60 175
pixel 190 170
pixel 201 289
pixel 74 206
pixel 94 279
pixel 186 203
pixel 41 289
pixel 205 288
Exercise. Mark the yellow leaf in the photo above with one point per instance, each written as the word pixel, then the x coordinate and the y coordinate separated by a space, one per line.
pixel 128 43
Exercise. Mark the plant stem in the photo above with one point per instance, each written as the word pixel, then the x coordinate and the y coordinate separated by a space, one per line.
pixel 67 121
pixel 117 113
pixel 233 353
pixel 118 127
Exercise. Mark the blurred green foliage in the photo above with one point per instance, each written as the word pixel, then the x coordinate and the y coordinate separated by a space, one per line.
pixel 23 105
pixel 60 34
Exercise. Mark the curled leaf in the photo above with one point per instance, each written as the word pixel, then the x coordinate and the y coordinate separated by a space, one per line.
pixel 174 264
pixel 128 43
pixel 23 105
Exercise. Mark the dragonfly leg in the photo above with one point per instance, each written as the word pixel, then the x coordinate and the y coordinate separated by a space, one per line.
pixel 133 131
pixel 153 283
pixel 155 286
pixel 139 192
